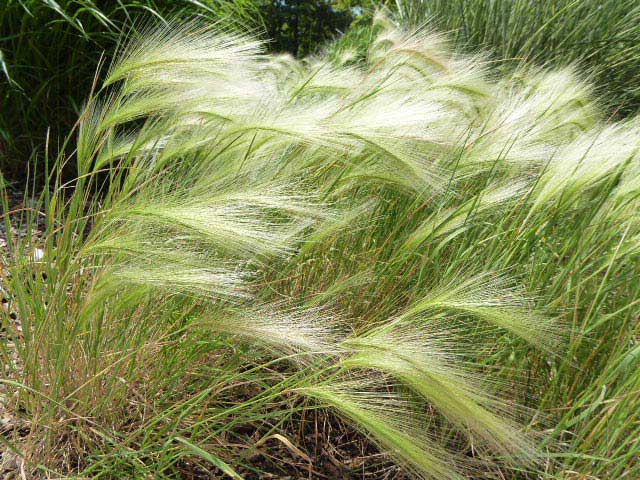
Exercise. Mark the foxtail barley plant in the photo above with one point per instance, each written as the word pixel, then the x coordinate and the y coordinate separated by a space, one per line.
pixel 440 256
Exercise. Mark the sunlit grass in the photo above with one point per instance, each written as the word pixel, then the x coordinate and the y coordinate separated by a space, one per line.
pixel 444 257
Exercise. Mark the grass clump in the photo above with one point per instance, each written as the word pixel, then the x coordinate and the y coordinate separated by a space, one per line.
pixel 412 243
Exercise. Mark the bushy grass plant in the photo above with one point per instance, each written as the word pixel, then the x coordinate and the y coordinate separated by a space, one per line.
pixel 444 257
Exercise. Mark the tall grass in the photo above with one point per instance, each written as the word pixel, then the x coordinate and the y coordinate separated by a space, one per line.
pixel 602 37
pixel 444 257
